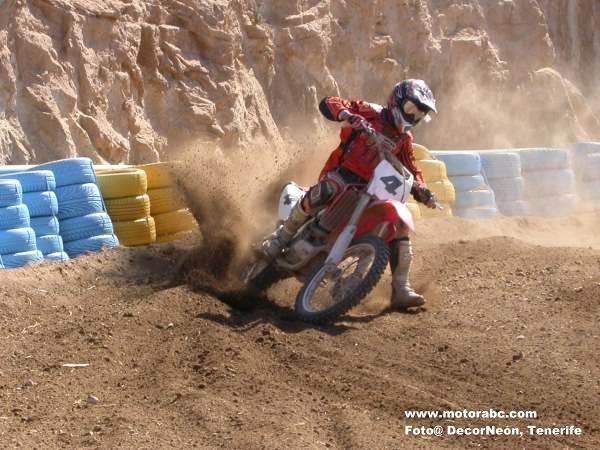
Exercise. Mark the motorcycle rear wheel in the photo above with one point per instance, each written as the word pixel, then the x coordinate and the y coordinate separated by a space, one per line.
pixel 369 256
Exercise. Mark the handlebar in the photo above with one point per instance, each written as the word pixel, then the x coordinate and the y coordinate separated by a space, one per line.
pixel 385 147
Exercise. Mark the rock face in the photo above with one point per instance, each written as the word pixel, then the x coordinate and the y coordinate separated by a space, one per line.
pixel 132 80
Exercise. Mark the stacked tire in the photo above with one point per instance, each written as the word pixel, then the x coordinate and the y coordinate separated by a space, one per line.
pixel 585 159
pixel 436 178
pixel 128 205
pixel 84 224
pixel 474 198
pixel 39 195
pixel 17 238
pixel 502 170
pixel 168 207
pixel 549 182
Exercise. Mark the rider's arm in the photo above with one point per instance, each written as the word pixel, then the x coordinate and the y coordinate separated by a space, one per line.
pixel 331 107
pixel 405 153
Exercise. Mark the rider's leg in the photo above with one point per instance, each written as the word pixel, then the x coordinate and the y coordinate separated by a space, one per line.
pixel 403 296
pixel 315 199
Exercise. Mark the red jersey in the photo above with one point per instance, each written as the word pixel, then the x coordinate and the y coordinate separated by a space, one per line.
pixel 353 153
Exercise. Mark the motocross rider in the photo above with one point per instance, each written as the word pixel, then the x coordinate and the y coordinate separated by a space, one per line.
pixel 353 161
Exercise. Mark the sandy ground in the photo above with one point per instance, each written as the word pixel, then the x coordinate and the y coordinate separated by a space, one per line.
pixel 511 324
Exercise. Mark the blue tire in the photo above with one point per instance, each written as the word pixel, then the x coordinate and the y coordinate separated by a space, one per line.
pixel 45 225
pixel 34 180
pixel 476 213
pixel 500 164
pixel 62 257
pixel 517 208
pixel 535 159
pixel 473 199
pixel 507 189
pixel 49 244
pixel 86 226
pixel 549 183
pixel 41 203
pixel 16 216
pixel 589 168
pixel 460 163
pixel 467 183
pixel 22 258
pixel 582 149
pixel 17 240
pixel 90 245
pixel 557 206
pixel 11 193
pixel 79 200
pixel 71 171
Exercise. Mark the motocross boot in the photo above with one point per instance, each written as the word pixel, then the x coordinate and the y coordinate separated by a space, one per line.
pixel 273 246
pixel 403 296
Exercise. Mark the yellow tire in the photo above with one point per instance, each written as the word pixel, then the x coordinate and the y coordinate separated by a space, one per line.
pixel 421 152
pixel 128 208
pixel 175 222
pixel 159 175
pixel 427 213
pixel 171 237
pixel 163 200
pixel 122 183
pixel 414 210
pixel 136 232
pixel 433 170
pixel 443 191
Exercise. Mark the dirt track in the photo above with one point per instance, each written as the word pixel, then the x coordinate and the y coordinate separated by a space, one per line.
pixel 510 325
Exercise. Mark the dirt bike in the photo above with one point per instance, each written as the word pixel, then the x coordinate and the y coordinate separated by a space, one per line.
pixel 342 252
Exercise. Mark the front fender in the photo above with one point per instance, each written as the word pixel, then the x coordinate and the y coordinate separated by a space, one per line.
pixel 382 211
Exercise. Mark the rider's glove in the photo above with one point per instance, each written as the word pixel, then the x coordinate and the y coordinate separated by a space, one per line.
pixel 356 122
pixel 424 195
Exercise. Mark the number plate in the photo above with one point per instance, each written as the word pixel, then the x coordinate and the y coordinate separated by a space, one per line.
pixel 388 184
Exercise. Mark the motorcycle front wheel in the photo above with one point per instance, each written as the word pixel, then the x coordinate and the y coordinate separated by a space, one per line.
pixel 330 292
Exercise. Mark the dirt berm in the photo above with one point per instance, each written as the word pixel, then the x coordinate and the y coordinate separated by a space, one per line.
pixel 511 324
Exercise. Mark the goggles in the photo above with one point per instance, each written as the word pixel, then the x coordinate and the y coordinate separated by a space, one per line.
pixel 414 113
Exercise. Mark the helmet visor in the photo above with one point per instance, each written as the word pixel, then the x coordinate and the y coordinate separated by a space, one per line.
pixel 415 113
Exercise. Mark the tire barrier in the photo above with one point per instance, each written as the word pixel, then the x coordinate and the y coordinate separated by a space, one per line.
pixel 11 193
pixel 17 239
pixel 39 196
pixel 34 180
pixel 90 245
pixel 549 181
pixel 78 198
pixel 22 258
pixel 421 152
pixel 163 200
pixel 41 203
pixel 136 232
pixel 502 170
pixel 471 191
pixel 540 159
pixel 16 216
pixel 128 208
pixel 172 218
pixel 460 163
pixel 585 157
pixel 435 175
pixel 70 171
pixel 127 202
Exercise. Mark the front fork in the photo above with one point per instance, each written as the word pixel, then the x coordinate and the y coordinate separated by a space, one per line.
pixel 346 236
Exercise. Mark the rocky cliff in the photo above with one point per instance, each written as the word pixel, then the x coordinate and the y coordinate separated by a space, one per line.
pixel 133 80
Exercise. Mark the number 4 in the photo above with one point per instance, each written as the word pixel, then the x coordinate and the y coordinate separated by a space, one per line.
pixel 391 184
